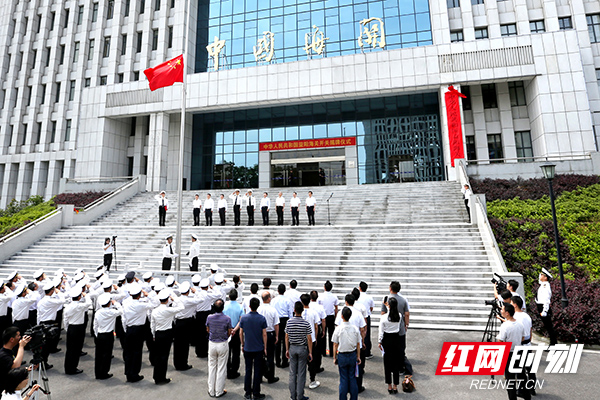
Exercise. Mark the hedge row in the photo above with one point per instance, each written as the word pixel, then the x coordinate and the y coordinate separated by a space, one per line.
pixel 11 221
pixel 81 199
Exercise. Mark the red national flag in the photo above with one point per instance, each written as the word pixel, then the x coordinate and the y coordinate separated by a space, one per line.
pixel 166 73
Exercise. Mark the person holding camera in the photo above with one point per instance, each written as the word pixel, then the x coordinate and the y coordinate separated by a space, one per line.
pixel 109 249
pixel 104 329
pixel 74 319
pixel 16 380
pixel 11 337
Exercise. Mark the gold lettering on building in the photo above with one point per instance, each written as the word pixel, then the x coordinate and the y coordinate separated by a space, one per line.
pixel 265 47
pixel 318 41
pixel 214 49
pixel 374 32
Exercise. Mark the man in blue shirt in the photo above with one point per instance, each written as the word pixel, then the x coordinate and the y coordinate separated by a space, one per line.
pixel 253 336
pixel 234 310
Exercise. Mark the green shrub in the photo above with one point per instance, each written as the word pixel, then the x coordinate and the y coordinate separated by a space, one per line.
pixel 19 214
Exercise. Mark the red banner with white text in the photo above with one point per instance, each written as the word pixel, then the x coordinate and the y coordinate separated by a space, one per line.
pixel 457 149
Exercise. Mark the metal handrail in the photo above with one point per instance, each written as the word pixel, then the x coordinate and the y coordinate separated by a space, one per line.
pixel 30 225
pixel 99 179
pixel 109 195
pixel 582 156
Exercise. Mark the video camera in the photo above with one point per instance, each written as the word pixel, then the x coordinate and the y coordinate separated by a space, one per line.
pixel 40 335
pixel 500 282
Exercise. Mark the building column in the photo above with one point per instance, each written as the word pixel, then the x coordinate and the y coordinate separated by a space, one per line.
pixel 9 189
pixel 351 153
pixel 264 169
pixel 481 149
pixel 54 174
pixel 158 146
pixel 141 127
pixel 506 121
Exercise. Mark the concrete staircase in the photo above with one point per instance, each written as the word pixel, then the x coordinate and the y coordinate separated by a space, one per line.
pixel 416 233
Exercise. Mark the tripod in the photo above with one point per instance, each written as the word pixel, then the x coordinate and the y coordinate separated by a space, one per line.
pixel 114 244
pixel 42 378
pixel 492 327
pixel 328 216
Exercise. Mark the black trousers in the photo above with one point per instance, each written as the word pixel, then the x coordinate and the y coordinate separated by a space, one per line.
pixel 361 368
pixel 265 215
pixel 166 263
pixel 196 216
pixel 181 342
pixel 51 344
pixel 310 212
pixel 250 211
pixel 5 322
pixel 149 339
pixel 208 216
pixel 392 363
pixel 280 358
pixel 330 320
pixel 368 344
pixel 120 332
pixel 162 348
pixel 162 215
pixel 22 324
pixel 75 339
pixel 233 360
pixel 222 216
pixel 33 317
pixel 237 215
pixel 321 345
pixel 313 366
pixel 468 209
pixel 269 371
pixel 194 266
pixel 132 354
pixel 279 210
pixel 108 261
pixel 104 348
pixel 253 360
pixel 515 377
pixel 201 334
pixel 295 216
pixel 547 321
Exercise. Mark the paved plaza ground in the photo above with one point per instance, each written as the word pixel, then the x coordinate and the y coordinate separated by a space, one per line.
pixel 423 350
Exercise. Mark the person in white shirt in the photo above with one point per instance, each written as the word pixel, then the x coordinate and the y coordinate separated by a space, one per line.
pixel 390 343
pixel 367 301
pixel 163 204
pixel 513 332
pixel 285 311
pixel 48 307
pixel 346 338
pixel 161 324
pixel 272 317
pixel 467 193
pixel 321 326
pixel 108 249
pixel 279 207
pixel 358 320
pixel 222 206
pixel 104 328
pixel 197 204
pixel 311 203
pixel 208 296
pixel 17 379
pixel 194 253
pixel 524 319
pixel 20 307
pixel 74 318
pixel 265 207
pixel 311 316
pixel 330 303
pixel 168 254
pixel 543 300
pixel 184 325
pixel 135 323
pixel 236 198
pixel 292 293
pixel 209 204
pixel 253 294
pixel 250 205
pixel 294 208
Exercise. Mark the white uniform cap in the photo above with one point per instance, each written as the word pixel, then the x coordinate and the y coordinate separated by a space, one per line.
pixel 170 280
pixel 75 292
pixel 547 273
pixel 196 278
pixel 219 278
pixel 184 288
pixel 37 274
pixel 162 191
pixel 164 294
pixel 121 277
pixel 12 275
pixel 48 286
pixel 147 276
pixel 60 272
pixel 134 289
pixel 97 275
pixel 195 236
pixel 79 270
pixel 107 284
pixel 249 191
pixel 159 287
pixel 167 237
pixel 56 282
pixel 204 282
pixel 20 289
pixel 79 276
pixel 214 267
pixel 104 299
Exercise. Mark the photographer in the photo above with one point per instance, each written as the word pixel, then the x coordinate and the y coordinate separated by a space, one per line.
pixel 513 332
pixel 16 380
pixel 512 286
pixel 11 337
pixel 109 249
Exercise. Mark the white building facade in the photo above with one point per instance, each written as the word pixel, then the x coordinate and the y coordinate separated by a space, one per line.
pixel 367 108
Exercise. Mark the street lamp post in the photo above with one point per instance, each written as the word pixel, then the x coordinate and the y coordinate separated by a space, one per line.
pixel 548 171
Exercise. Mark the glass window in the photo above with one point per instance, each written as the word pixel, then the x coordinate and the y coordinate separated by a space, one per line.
pixel 80 15
pixel 111 9
pixel 120 77
pixel 106 49
pixel 94 12
pixel 52 19
pixel 123 45
pixel 170 39
pixel 91 49
pixel 157 5
pixel 72 91
pixel 495 146
pixel 594 27
pixel 138 48
pixel 488 92
pixel 598 77
pixel 516 91
pixel 68 130
pixel 565 23
pixel 127 7
pixel 481 33
pixel 537 26
pixel 103 80
pixel 87 82
pixel 508 30
pixel 456 36
pixel 142 6
pixel 453 3
pixel 524 146
pixel 61 57
pixel 57 92
pixel 475 2
pixel 466 102
pixel 471 149
pixel 75 52
pixel 154 39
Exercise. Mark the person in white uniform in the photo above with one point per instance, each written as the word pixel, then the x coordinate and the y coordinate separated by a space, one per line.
pixel 543 300
pixel 163 205
pixel 168 254
pixel 194 253
pixel 209 204
pixel 311 204
pixel 295 209
pixel 279 207
pixel 197 204
pixel 222 206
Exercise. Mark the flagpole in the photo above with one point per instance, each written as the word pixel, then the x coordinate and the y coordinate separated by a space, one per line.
pixel 182 135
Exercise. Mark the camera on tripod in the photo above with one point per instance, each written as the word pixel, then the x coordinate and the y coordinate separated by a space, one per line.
pixel 113 239
pixel 40 335
pixel 500 282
